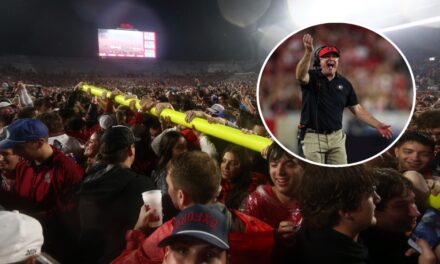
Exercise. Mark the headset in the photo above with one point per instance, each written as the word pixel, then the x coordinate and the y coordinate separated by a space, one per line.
pixel 316 63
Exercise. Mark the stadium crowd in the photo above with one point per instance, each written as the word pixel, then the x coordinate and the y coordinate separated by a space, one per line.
pixel 75 166
pixel 427 75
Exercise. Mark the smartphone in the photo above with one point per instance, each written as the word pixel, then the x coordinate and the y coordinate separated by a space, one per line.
pixel 428 229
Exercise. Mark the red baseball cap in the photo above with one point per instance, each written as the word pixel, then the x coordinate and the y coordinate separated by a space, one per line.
pixel 328 49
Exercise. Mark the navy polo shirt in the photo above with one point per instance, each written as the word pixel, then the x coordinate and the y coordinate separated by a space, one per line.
pixel 323 101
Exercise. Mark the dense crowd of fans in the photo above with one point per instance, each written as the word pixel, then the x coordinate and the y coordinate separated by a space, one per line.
pixel 427 75
pixel 79 165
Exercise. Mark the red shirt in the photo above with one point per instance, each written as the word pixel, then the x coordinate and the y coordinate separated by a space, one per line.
pixel 253 245
pixel 47 183
pixel 257 179
pixel 264 205
pixel 84 135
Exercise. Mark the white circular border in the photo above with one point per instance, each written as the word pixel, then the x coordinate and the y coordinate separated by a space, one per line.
pixel 333 165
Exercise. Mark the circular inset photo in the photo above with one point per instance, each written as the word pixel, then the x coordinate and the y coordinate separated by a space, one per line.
pixel 336 94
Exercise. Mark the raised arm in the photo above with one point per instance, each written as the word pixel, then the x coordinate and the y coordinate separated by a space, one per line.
pixel 363 115
pixel 23 96
pixel 302 69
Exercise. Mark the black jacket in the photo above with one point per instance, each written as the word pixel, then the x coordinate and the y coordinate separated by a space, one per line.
pixel 385 247
pixel 326 246
pixel 109 203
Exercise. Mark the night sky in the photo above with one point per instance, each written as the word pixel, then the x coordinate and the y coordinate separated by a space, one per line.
pixel 186 30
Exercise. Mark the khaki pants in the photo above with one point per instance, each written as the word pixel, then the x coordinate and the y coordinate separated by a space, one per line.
pixel 325 149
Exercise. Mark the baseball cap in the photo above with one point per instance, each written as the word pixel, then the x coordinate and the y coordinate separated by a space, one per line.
pixel 191 138
pixel 216 109
pixel 24 130
pixel 4 102
pixel 117 137
pixel 106 121
pixel 202 222
pixel 328 49
pixel 22 237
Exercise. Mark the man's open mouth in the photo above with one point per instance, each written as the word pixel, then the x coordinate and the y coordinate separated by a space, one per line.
pixel 330 65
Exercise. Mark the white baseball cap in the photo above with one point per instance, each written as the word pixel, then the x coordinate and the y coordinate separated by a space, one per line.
pixel 106 121
pixel 21 237
pixel 4 104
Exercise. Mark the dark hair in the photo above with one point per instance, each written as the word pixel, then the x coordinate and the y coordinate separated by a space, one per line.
pixel 389 184
pixel 245 120
pixel 67 113
pixel 326 191
pixel 75 124
pixel 186 103
pixel 225 95
pixel 416 136
pixel 197 174
pixel 6 119
pixel 428 119
pixel 242 181
pixel 98 134
pixel 53 121
pixel 123 113
pixel 42 101
pixel 145 157
pixel 166 146
pixel 275 152
pixel 233 103
pixel 26 112
pixel 91 162
pixel 151 122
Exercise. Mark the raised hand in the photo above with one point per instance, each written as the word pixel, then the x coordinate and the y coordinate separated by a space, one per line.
pixel 308 42
pixel 191 114
pixel 147 103
pixel 161 106
pixel 78 86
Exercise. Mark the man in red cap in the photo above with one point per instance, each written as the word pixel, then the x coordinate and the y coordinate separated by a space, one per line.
pixel 325 94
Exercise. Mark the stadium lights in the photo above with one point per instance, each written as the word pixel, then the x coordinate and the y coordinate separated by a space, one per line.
pixel 392 14
pixel 305 13
pixel 432 59
pixel 412 24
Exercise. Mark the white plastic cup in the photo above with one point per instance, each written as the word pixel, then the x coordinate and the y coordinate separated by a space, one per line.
pixel 153 199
